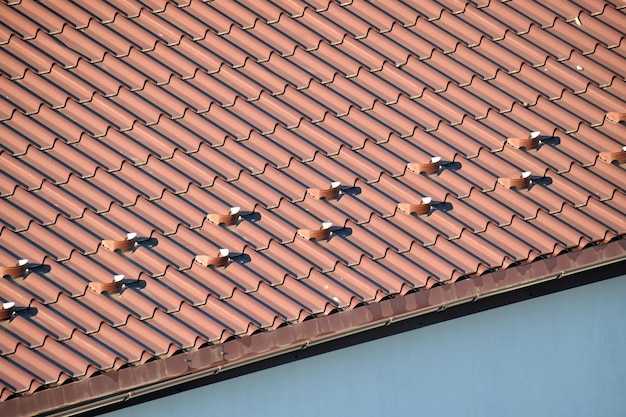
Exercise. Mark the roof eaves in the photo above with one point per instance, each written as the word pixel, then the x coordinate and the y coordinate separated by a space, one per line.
pixel 111 388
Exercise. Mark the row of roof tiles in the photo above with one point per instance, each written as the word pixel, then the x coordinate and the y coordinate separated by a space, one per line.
pixel 142 118
pixel 328 20
pixel 40 50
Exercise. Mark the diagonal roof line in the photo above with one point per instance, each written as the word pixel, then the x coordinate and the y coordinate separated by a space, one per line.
pixel 110 388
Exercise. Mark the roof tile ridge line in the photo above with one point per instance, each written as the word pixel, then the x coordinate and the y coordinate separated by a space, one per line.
pixel 602 200
pixel 567 58
pixel 607 86
pixel 512 33
pixel 330 3
pixel 327 113
pixel 421 16
pixel 311 268
pixel 138 166
pixel 280 201
pixel 92 16
pixel 41 224
pixel 34 188
pixel 453 13
pixel 12 34
pixel 63 18
pixel 43 103
pixel 355 150
pixel 11 193
pixel 11 350
pixel 15 109
pixel 257 19
pixel 107 50
pixel 119 179
pixel 504 264
pixel 354 107
pixel 469 116
pixel 211 145
pixel 47 150
pixel 182 268
pixel 394 20
pixel 62 376
pixel 597 45
pixel 296 43
pixel 184 300
pixel 26 392
pixel 568 132
pixel 556 19
pixel 132 44
pixel 486 38
pixel 27 38
pixel 294 16
pixel 133 17
pixel 57 107
pixel 497 41
pixel 610 6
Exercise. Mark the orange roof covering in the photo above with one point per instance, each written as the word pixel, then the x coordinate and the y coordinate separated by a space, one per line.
pixel 176 176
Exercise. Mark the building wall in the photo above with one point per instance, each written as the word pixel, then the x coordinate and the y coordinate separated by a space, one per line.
pixel 563 354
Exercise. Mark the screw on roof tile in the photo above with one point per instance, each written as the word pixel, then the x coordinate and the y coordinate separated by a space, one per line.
pixel 327 193
pixel 122 245
pixel 531 142
pixel 322 234
pixel 6 310
pixel 229 219
pixel 422 208
pixel 217 261
pixel 110 287
pixel 429 168
pixel 16 271
pixel 616 117
pixel 609 157
pixel 520 183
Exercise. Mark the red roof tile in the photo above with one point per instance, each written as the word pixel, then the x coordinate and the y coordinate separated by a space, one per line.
pixel 160 118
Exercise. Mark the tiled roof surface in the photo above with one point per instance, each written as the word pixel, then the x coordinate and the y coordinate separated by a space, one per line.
pixel 369 147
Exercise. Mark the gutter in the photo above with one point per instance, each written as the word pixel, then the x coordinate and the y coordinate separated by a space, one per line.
pixel 116 387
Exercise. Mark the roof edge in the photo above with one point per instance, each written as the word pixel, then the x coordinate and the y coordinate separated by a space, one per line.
pixel 114 387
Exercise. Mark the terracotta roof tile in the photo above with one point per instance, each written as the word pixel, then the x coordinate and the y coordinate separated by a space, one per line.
pixel 278 162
